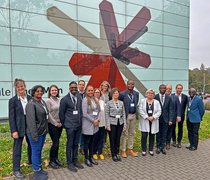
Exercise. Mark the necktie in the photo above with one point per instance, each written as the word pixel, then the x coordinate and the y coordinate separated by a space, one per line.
pixel 162 99
pixel 74 100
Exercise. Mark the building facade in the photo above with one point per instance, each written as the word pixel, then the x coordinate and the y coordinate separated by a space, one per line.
pixel 56 41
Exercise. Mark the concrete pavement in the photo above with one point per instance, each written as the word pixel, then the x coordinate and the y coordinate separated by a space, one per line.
pixel 177 164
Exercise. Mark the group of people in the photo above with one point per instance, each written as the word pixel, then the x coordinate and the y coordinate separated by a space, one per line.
pixel 88 114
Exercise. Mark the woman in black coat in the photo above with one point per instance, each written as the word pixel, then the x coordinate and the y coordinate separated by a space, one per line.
pixel 17 121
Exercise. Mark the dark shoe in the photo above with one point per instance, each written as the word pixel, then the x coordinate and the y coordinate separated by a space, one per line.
pixel 72 168
pixel 58 163
pixel 53 165
pixel 188 147
pixel 38 175
pixel 88 163
pixel 78 165
pixel 93 161
pixel 18 174
pixel 151 153
pixel 193 148
pixel 174 144
pixel 163 151
pixel 118 157
pixel 81 151
pixel 179 145
pixel 168 146
pixel 158 151
pixel 44 172
pixel 114 158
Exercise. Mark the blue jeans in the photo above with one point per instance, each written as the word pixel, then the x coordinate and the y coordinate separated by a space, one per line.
pixel 36 147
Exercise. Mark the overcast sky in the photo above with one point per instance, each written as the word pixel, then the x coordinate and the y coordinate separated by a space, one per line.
pixel 199 33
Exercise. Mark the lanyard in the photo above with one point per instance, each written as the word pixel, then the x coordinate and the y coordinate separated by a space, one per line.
pixel 130 97
pixel 190 102
pixel 74 100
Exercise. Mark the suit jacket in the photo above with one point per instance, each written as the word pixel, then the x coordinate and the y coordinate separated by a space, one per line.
pixel 183 104
pixel 17 119
pixel 144 122
pixel 126 100
pixel 176 107
pixel 166 109
pixel 111 112
pixel 195 110
pixel 36 118
pixel 67 118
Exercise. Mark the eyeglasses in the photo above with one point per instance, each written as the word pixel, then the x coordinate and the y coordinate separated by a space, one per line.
pixel 89 90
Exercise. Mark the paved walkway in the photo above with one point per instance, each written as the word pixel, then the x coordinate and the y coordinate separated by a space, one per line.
pixel 177 164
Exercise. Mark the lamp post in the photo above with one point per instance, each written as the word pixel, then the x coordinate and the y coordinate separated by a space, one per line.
pixel 204 81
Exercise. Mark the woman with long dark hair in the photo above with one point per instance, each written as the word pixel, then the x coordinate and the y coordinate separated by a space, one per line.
pixel 90 123
pixel 54 125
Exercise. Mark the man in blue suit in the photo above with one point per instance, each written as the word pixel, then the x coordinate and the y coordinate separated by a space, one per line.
pixel 176 114
pixel 195 112
pixel 165 119
pixel 183 99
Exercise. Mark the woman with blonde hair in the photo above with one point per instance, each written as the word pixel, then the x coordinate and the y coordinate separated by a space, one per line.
pixel 17 121
pixel 105 89
pixel 150 110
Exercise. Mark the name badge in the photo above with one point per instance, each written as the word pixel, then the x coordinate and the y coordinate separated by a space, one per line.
pixel 95 113
pixel 150 111
pixel 118 116
pixel 75 112
pixel 188 109
pixel 132 104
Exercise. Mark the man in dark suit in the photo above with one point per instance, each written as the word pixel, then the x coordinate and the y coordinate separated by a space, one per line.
pixel 81 90
pixel 165 118
pixel 183 103
pixel 195 112
pixel 176 114
pixel 17 121
pixel 130 99
pixel 70 114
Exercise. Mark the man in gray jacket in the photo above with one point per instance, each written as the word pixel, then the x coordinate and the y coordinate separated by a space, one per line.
pixel 70 114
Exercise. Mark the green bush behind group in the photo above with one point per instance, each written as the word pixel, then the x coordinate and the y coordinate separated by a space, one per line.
pixel 6 144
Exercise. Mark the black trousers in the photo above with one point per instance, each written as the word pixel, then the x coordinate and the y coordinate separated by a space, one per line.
pixel 169 134
pixel 55 134
pixel 180 132
pixel 161 135
pixel 17 148
pixel 193 136
pixel 144 136
pixel 99 141
pixel 114 137
pixel 73 136
pixel 88 145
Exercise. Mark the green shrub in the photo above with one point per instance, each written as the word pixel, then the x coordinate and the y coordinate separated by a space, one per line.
pixel 207 106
